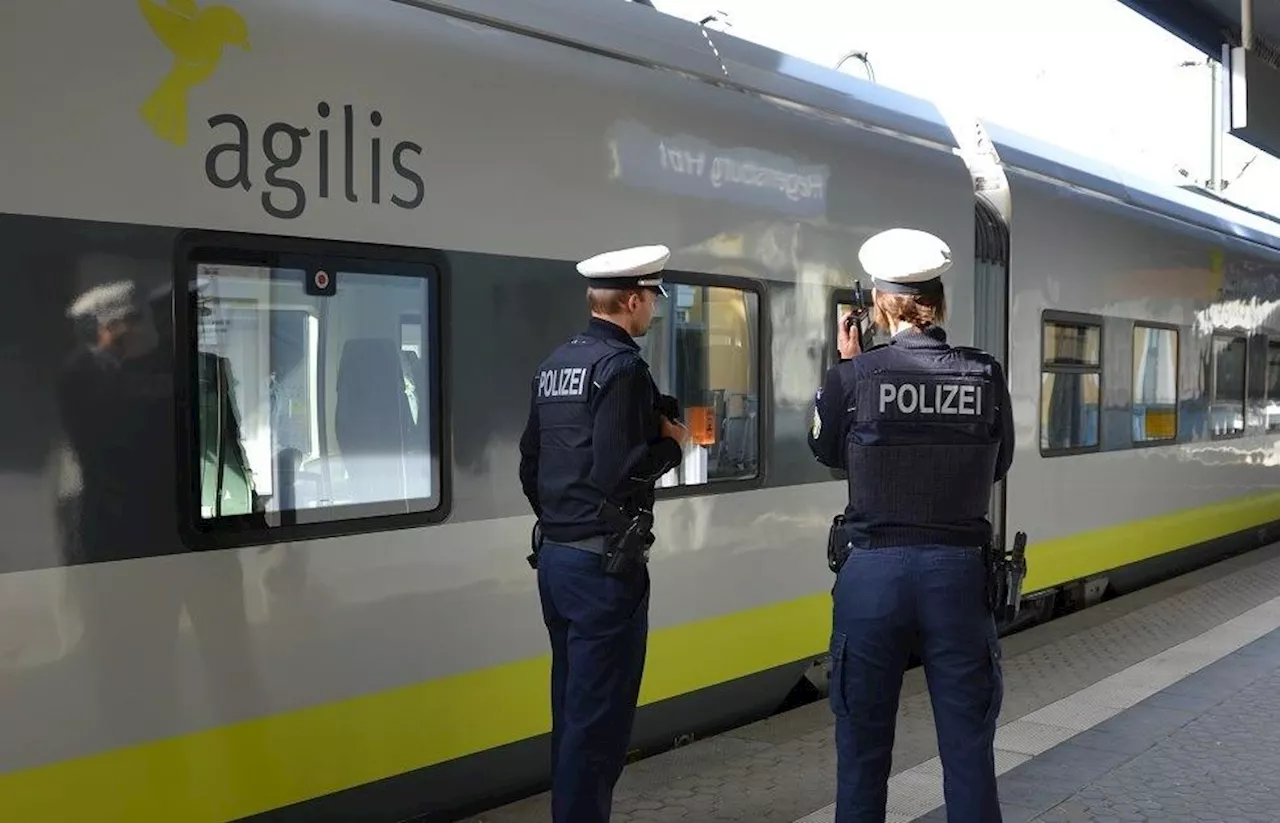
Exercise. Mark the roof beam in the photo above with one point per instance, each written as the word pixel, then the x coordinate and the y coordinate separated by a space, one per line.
pixel 1202 28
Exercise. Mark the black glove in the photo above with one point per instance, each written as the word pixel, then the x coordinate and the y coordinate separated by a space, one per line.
pixel 669 407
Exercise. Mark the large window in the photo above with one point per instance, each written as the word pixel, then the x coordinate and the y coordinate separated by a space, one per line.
pixel 315 390
pixel 1228 356
pixel 703 349
pixel 1070 386
pixel 1155 384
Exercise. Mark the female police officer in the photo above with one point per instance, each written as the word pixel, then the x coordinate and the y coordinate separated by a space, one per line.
pixel 924 429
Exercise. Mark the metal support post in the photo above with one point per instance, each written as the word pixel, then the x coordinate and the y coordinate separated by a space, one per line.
pixel 1216 126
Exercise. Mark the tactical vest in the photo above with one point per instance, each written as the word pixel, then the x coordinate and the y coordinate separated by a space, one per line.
pixel 565 388
pixel 922 450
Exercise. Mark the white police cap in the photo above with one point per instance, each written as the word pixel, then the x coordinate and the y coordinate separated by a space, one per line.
pixel 113 301
pixel 637 267
pixel 905 261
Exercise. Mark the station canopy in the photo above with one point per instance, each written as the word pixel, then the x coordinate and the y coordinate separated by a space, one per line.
pixel 1210 24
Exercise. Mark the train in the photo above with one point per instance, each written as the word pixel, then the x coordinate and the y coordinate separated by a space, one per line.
pixel 278 274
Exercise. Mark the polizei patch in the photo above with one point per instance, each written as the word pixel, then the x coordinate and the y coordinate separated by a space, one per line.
pixel 938 398
pixel 926 398
pixel 562 383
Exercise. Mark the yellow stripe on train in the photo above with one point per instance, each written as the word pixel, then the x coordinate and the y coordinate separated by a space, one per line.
pixel 247 768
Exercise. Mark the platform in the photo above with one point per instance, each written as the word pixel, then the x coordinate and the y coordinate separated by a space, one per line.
pixel 1163 705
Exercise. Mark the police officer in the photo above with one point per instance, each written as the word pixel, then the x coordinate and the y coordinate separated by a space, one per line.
pixel 593 448
pixel 924 429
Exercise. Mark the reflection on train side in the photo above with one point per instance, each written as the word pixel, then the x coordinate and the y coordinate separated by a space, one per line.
pixel 703 349
pixel 1226 382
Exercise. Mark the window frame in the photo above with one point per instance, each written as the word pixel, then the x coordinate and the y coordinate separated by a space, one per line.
pixel 1042 368
pixel 1177 385
pixel 763 368
pixel 1230 335
pixel 194 247
pixel 1270 342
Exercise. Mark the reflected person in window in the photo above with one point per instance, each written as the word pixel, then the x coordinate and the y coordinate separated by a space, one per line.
pixel 593 449
pixel 924 430
pixel 102 425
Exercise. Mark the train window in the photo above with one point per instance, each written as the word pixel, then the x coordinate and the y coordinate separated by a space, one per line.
pixel 703 348
pixel 1070 386
pixel 1228 356
pixel 1155 383
pixel 315 394
pixel 1273 386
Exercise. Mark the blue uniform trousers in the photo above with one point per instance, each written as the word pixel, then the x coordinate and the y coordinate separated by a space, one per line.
pixel 599 627
pixel 931 599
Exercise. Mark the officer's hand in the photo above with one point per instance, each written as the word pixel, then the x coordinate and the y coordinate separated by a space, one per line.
pixel 847 341
pixel 677 432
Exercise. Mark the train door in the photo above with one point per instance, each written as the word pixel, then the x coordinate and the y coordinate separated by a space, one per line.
pixel 991 311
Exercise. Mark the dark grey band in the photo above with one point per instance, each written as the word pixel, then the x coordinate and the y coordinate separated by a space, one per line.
pixel 930 286
pixel 624 283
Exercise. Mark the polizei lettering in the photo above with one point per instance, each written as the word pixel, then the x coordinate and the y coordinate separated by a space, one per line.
pixel 562 382
pixel 937 398
pixel 283 147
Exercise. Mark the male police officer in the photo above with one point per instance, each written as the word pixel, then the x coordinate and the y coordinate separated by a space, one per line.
pixel 924 430
pixel 593 448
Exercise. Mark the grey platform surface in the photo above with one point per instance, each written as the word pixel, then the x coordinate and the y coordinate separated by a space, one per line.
pixel 1068 680
pixel 1204 749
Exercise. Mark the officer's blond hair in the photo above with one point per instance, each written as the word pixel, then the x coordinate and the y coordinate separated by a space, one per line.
pixel 608 301
pixel 919 310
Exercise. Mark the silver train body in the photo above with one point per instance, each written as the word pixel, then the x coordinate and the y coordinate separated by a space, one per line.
pixel 373 650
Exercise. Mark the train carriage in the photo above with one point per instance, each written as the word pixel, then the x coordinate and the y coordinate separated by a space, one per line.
pixel 277 275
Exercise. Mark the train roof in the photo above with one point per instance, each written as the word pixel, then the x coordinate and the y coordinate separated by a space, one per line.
pixel 643 35
pixel 1019 151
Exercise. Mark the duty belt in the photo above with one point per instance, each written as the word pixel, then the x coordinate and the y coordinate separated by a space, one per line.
pixel 618 552
pixel 839 547
pixel 596 545
pixel 599 544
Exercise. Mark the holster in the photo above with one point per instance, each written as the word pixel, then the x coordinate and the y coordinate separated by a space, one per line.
pixel 535 545
pixel 1005 575
pixel 630 547
pixel 995 577
pixel 838 547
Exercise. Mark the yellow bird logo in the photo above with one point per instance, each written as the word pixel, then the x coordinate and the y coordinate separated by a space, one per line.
pixel 196 37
